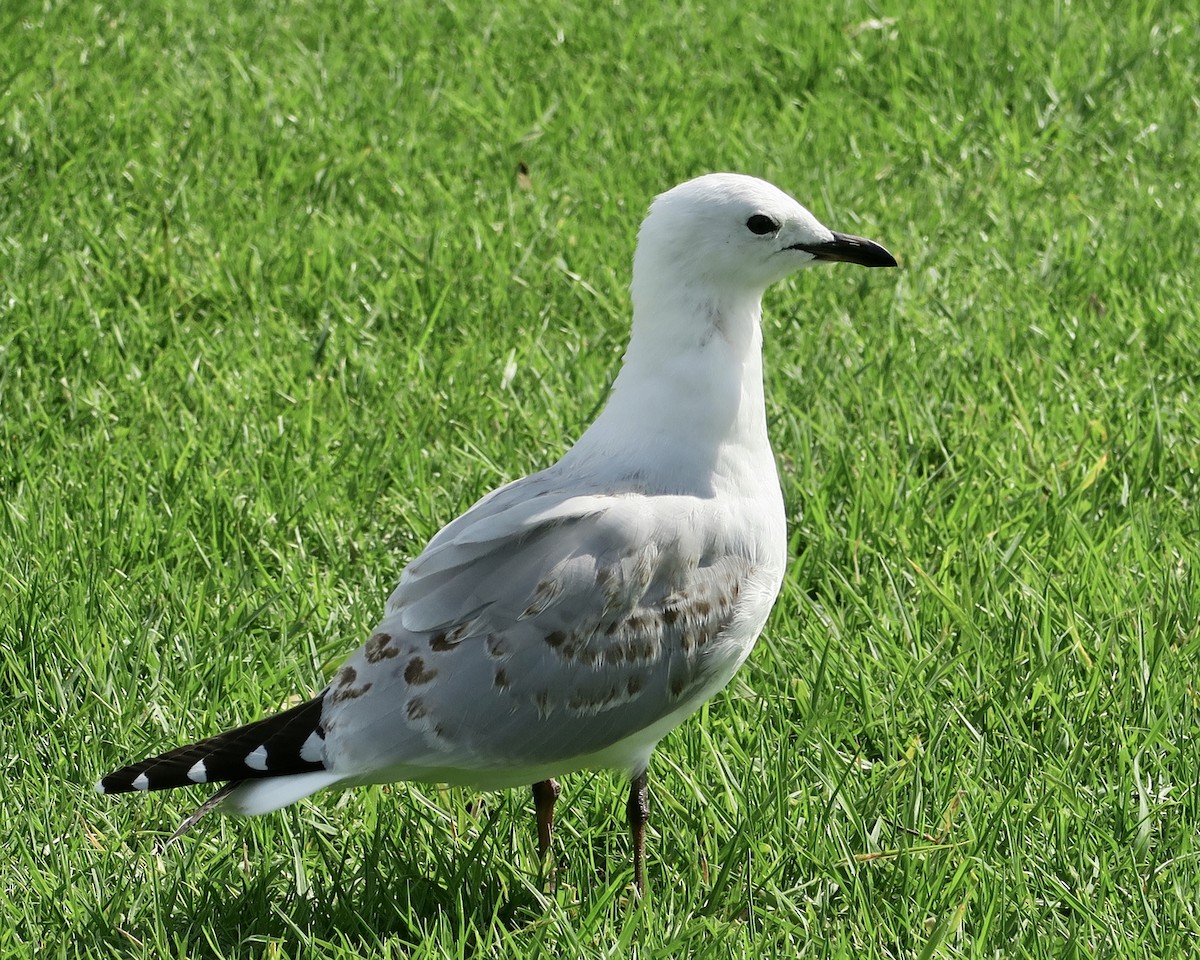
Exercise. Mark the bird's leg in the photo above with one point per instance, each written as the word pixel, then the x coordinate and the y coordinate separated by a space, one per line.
pixel 545 792
pixel 638 811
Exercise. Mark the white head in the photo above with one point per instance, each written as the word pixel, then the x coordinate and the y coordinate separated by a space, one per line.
pixel 734 236
pixel 688 403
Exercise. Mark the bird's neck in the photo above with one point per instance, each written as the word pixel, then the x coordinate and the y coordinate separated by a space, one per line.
pixel 686 413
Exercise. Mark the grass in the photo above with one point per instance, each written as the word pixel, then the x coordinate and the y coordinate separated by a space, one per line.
pixel 277 303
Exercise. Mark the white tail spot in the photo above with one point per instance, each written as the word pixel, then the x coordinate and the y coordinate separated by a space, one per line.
pixel 256 759
pixel 198 773
pixel 313 749
pixel 141 782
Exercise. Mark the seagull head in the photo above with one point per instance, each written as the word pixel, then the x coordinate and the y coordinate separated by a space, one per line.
pixel 736 235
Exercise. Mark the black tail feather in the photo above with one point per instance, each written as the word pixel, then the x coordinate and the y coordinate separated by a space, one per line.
pixel 286 743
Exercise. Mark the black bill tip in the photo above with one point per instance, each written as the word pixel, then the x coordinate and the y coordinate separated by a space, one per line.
pixel 849 249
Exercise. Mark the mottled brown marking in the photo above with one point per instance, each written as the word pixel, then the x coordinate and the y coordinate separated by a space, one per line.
pixel 439 731
pixel 416 709
pixel 703 608
pixel 500 680
pixel 555 638
pixel 497 646
pixel 678 685
pixel 380 647
pixel 604 576
pixel 346 676
pixel 670 615
pixel 543 703
pixel 543 595
pixel 633 684
pixel 439 642
pixel 582 702
pixel 343 693
pixel 416 674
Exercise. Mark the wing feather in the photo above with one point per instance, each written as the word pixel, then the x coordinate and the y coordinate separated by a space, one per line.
pixel 537 634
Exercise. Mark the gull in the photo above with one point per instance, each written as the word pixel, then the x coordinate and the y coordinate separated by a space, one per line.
pixel 572 618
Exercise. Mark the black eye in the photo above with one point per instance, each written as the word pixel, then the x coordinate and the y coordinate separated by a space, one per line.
pixel 761 224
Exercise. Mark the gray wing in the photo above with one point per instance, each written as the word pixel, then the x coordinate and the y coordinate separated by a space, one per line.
pixel 538 627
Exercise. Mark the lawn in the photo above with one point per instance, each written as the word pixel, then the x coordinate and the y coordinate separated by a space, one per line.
pixel 286 286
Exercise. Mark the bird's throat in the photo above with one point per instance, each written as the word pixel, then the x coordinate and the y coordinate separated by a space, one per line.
pixel 688 400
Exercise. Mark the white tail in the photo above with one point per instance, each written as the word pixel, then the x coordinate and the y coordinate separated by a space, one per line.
pixel 263 796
